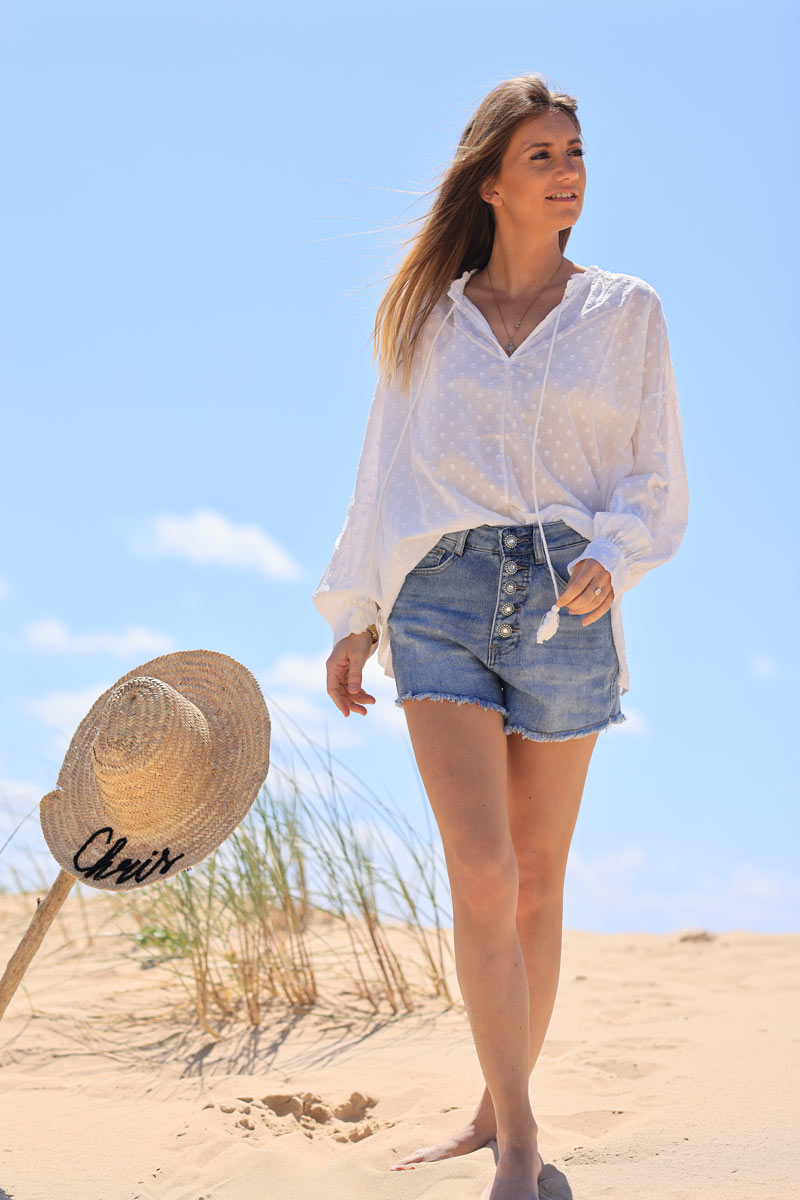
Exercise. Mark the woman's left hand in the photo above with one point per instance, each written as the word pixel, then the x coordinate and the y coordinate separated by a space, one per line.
pixel 579 595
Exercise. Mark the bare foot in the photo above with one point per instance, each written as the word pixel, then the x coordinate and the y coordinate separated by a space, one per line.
pixel 515 1177
pixel 472 1137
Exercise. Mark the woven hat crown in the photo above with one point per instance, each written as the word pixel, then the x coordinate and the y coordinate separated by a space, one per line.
pixel 151 753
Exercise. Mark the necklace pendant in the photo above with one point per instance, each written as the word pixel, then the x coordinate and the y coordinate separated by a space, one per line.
pixel 510 347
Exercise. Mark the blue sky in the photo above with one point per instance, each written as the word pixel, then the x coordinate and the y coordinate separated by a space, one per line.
pixel 202 204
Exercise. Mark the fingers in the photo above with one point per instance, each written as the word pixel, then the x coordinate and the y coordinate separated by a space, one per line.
pixel 586 601
pixel 345 700
pixel 354 694
pixel 344 668
pixel 575 586
pixel 357 701
pixel 579 595
pixel 598 612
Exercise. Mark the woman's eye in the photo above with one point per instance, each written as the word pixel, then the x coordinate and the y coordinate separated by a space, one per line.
pixel 576 150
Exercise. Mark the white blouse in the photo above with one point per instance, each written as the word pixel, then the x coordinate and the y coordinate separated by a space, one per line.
pixel 580 423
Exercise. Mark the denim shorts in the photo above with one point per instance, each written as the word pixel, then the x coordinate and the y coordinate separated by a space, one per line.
pixel 464 626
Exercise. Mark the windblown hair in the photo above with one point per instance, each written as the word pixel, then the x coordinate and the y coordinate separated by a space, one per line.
pixel 458 231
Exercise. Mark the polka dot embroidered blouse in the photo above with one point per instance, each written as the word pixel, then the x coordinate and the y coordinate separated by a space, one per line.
pixel 457 450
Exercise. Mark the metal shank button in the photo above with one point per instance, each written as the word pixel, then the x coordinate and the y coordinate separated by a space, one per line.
pixel 506 609
pixel 505 630
pixel 511 567
pixel 509 588
pixel 510 540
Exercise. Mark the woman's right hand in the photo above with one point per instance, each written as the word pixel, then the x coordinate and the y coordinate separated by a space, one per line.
pixel 344 666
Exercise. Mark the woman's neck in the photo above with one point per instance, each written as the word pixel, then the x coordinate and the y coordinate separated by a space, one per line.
pixel 518 267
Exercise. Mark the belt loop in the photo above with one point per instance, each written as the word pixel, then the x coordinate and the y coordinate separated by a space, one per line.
pixel 461 540
pixel 538 549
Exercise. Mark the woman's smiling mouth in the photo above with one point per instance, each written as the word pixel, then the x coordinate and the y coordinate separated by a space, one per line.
pixel 567 196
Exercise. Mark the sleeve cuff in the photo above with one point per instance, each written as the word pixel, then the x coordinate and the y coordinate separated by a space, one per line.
pixel 356 620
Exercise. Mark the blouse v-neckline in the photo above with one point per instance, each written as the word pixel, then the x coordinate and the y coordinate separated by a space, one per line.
pixel 456 292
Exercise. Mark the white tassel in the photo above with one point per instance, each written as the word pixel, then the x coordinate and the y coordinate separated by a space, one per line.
pixel 547 626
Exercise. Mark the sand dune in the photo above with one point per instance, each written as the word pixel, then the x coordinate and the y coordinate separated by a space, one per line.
pixel 670 1072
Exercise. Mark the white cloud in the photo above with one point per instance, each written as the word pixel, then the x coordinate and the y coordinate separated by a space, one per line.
pixel 750 882
pixel 603 878
pixel 631 888
pixel 62 711
pixel 20 831
pixel 298 684
pixel 17 796
pixel 295 713
pixel 635 725
pixel 763 666
pixel 307 673
pixel 52 635
pixel 301 672
pixel 208 538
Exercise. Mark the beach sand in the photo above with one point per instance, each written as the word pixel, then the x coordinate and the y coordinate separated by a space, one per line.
pixel 670 1071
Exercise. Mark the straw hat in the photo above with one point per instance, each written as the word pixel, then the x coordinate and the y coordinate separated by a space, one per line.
pixel 160 771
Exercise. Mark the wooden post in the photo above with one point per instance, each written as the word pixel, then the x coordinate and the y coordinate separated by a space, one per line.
pixel 40 923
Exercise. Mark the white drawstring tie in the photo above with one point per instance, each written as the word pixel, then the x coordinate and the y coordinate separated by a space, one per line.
pixel 549 622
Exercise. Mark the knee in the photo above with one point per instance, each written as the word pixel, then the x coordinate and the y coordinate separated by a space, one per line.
pixel 483 877
pixel 541 885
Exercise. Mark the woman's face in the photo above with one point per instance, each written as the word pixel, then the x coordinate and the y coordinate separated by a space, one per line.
pixel 543 158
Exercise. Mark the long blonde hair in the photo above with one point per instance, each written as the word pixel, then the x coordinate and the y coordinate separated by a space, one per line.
pixel 458 231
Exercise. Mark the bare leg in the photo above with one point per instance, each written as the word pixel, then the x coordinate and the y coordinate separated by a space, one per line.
pixel 545 782
pixel 462 756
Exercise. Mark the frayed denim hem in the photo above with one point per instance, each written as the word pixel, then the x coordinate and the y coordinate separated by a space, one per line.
pixel 617 719
pixel 457 699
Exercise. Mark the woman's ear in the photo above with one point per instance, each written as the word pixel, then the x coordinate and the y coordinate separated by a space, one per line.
pixel 488 192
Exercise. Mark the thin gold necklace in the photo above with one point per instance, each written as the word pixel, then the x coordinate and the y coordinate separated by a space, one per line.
pixel 510 347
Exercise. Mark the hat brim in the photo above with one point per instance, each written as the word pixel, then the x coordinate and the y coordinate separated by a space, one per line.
pixel 74 818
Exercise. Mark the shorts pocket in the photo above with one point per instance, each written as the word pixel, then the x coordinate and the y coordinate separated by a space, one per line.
pixel 438 558
pixel 561 556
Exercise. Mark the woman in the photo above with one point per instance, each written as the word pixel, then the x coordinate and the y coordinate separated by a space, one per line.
pixel 522 467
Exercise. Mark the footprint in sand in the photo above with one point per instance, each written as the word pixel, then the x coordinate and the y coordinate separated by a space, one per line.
pixel 594 1123
pixel 625 1069
pixel 284 1112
